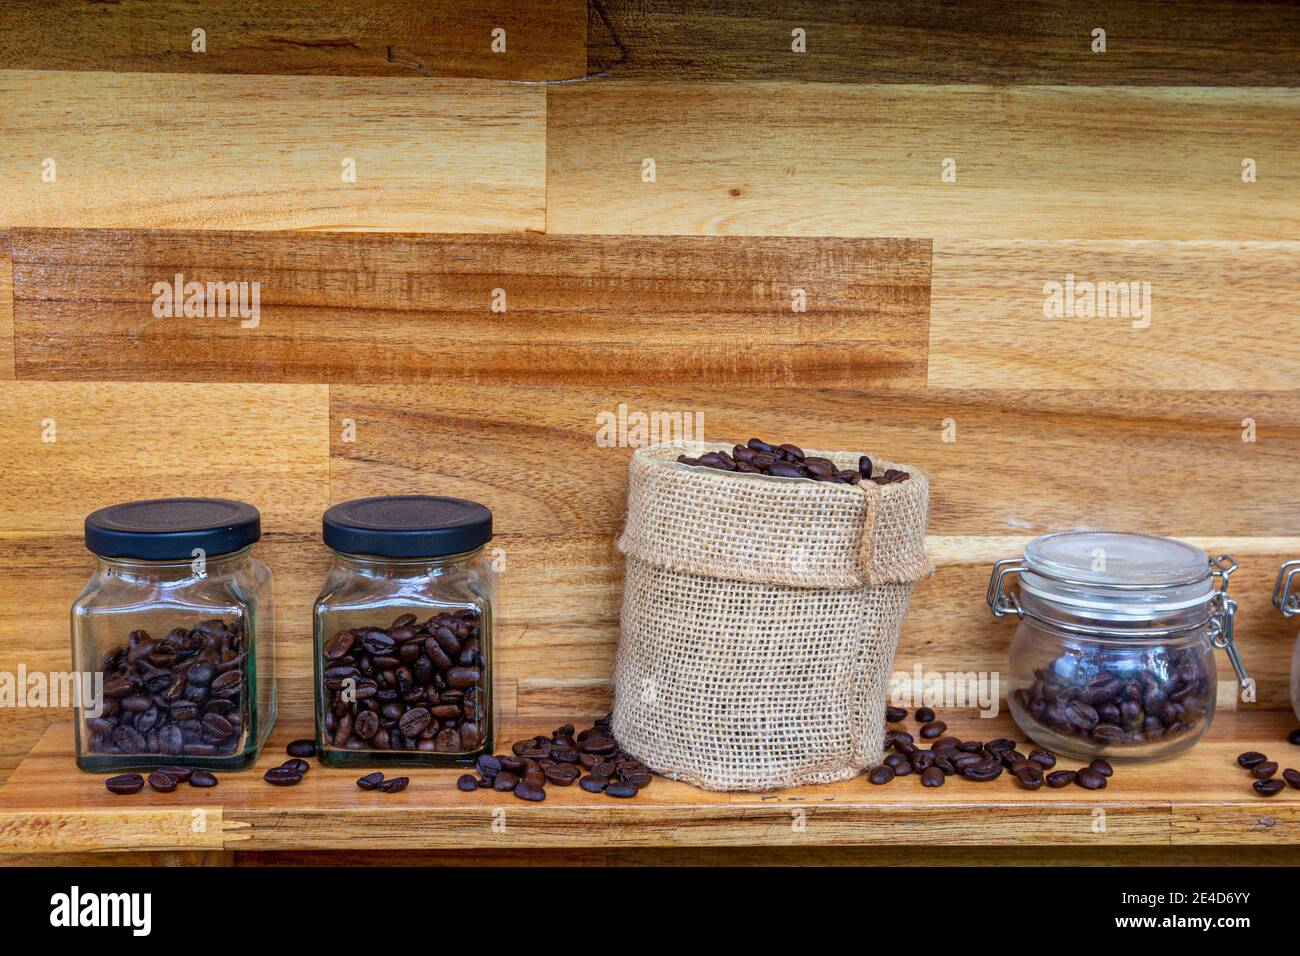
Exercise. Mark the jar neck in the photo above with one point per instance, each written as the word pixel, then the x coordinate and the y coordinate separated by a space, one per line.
pixel 370 565
pixel 172 571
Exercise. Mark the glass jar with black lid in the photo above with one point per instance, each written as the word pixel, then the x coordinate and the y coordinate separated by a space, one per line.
pixel 403 633
pixel 1286 598
pixel 175 631
pixel 1114 653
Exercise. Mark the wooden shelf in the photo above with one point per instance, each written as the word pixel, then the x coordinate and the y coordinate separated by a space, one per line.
pixel 1200 798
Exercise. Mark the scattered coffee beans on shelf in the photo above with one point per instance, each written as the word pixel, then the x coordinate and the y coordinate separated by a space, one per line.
pixel 162 780
pixel 757 457
pixel 417 686
pixel 972 759
pixel 182 695
pixel 1265 771
pixel 560 760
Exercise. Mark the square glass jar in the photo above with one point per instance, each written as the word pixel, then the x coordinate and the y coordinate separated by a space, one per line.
pixel 403 634
pixel 173 638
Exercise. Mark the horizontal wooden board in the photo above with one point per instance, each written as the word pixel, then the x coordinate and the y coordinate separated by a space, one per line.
pixel 1209 43
pixel 6 309
pixel 544 39
pixel 265 444
pixel 1201 797
pixel 867 160
pixel 406 309
pixel 1187 315
pixel 1022 461
pixel 144 150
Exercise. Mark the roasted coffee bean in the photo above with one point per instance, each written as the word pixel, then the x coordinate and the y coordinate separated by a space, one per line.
pixel 894 761
pixel 1090 779
pixel 203 779
pixel 1251 758
pixel 488 765
pixel 1269 788
pixel 466 782
pixel 1102 767
pixel 593 784
pixel 159 693
pixel 932 777
pixel 1060 778
pixel 297 765
pixel 282 777
pixel 924 715
pixel 1043 758
pixel 163 783
pixel 621 788
pixel 125 783
pixel 395 785
pixel 1262 771
pixel 531 791
pixel 895 715
pixel 1000 744
pixel 881 775
pixel 301 748
pixel 506 781
pixel 1292 777
pixel 1030 775
pixel 932 730
pixel 181 774
pixel 1294 737
pixel 370 780
pixel 982 771
pixel 563 774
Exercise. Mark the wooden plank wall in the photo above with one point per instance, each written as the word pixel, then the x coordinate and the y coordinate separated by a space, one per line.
pixel 379 363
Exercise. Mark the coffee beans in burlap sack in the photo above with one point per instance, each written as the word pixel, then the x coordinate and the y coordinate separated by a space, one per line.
pixel 760 618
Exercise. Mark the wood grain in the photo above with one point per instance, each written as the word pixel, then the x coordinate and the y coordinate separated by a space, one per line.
pixel 1219 315
pixel 1022 461
pixel 1147 804
pixel 866 160
pixel 545 39
pixel 6 309
pixel 1213 42
pixel 219 152
pixel 265 444
pixel 406 309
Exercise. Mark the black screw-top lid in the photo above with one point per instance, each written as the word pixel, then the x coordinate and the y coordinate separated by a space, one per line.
pixel 407 526
pixel 169 529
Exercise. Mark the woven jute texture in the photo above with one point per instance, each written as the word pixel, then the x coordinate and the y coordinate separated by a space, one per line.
pixel 760 619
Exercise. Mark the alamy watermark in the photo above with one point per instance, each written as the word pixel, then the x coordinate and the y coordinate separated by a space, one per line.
pixel 631 428
pixel 58 689
pixel 1073 299
pixel 210 300
pixel 957 689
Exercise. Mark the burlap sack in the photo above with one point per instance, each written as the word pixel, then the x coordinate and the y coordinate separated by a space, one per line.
pixel 760 618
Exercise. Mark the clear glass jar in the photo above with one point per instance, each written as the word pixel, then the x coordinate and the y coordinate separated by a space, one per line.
pixel 1114 655
pixel 403 634
pixel 1289 604
pixel 175 630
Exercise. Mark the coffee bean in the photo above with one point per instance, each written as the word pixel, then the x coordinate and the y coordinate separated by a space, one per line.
pixel 1000 744
pixel 593 784
pixel 621 788
pixel 982 771
pixel 530 791
pixel 1043 758
pixel 125 783
pixel 162 782
pixel 297 765
pixel 203 779
pixel 895 715
pixel 1250 758
pixel 370 780
pixel 181 774
pixel 301 748
pixel 1102 767
pixel 506 781
pixel 1060 778
pixel 1030 775
pixel 1269 788
pixel 466 782
pixel 1090 779
pixel 282 777
pixel 932 730
pixel 1262 771
pixel 1294 737
pixel 1292 777
pixel 924 715
pixel 789 461
pixel 562 774
pixel 881 775
pixel 932 777
pixel 395 785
